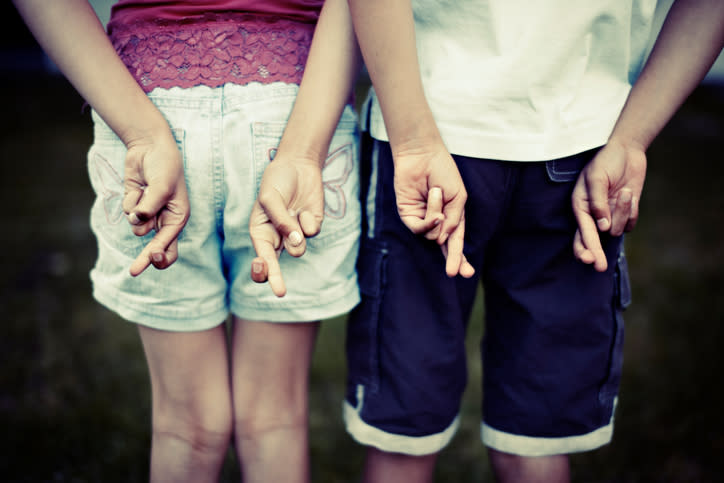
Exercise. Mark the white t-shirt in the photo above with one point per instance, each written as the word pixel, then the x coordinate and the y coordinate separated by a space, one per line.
pixel 526 80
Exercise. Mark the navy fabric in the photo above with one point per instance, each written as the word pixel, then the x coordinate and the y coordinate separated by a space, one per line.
pixel 552 348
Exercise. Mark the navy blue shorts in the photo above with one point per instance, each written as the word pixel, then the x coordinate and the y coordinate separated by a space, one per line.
pixel 552 349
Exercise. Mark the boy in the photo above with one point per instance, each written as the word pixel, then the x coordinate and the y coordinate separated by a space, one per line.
pixel 536 104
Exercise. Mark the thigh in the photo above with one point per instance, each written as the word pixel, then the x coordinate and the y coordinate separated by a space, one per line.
pixel 189 376
pixel 270 367
pixel 553 339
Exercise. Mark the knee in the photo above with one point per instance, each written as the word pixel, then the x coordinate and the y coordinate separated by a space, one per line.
pixel 515 468
pixel 206 431
pixel 257 417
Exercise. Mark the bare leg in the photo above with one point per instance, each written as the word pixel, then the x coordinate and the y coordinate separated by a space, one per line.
pixel 384 467
pixel 192 418
pixel 270 379
pixel 542 469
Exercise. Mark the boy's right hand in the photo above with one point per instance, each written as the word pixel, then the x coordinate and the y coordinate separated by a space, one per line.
pixel 431 200
pixel 155 198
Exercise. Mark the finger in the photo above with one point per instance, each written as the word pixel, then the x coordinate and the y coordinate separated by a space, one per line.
pixel 131 196
pixel 419 225
pixel 141 227
pixel 141 224
pixel 268 254
pixel 597 187
pixel 634 214
pixel 454 211
pixel 621 211
pixel 286 224
pixel 155 198
pixel 454 244
pixel 580 251
pixel 310 223
pixel 259 272
pixel 590 241
pixel 433 214
pixel 466 268
pixel 161 251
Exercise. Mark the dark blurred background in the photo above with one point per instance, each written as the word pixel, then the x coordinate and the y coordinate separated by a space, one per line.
pixel 74 393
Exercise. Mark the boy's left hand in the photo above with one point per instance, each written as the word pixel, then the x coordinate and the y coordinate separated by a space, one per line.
pixel 606 198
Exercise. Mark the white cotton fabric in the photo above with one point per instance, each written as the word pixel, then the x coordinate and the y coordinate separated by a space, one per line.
pixel 522 80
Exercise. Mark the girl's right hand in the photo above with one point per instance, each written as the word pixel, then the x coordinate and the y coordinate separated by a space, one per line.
pixel 155 198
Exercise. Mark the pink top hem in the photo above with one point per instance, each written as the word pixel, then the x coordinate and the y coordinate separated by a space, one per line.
pixel 213 50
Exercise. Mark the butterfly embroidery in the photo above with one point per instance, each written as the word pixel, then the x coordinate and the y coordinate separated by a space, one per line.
pixel 335 201
pixel 110 190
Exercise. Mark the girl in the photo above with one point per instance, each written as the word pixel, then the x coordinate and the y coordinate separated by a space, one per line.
pixel 190 101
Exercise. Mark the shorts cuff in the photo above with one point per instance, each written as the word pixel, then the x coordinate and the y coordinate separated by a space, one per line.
pixel 303 312
pixel 368 435
pixel 155 321
pixel 533 446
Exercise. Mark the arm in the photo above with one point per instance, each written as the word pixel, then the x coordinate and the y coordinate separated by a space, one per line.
pixel 155 189
pixel 427 181
pixel 290 203
pixel 606 195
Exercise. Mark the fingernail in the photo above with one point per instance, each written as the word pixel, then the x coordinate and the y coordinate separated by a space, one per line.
pixel 257 267
pixel 133 218
pixel 602 224
pixel 157 257
pixel 295 238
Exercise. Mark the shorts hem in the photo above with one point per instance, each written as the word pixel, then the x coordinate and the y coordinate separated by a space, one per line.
pixel 534 446
pixel 309 312
pixel 154 321
pixel 368 435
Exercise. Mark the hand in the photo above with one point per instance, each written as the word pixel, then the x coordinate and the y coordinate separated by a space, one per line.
pixel 431 201
pixel 288 208
pixel 606 198
pixel 155 198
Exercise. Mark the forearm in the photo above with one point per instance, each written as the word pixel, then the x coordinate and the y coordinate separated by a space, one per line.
pixel 690 40
pixel 71 34
pixel 386 34
pixel 329 74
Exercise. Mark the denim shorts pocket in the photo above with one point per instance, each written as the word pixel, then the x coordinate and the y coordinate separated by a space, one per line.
pixel 364 321
pixel 106 166
pixel 566 170
pixel 340 177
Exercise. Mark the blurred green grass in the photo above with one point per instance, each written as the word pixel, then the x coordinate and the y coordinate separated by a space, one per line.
pixel 74 394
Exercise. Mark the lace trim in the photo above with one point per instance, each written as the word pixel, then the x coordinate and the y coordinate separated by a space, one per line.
pixel 213 51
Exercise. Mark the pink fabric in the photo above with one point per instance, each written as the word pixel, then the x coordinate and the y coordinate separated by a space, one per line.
pixel 184 44
pixel 129 11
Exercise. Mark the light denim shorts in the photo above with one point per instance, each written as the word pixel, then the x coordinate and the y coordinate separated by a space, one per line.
pixel 227 136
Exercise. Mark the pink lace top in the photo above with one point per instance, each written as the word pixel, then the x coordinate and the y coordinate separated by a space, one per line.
pixel 212 48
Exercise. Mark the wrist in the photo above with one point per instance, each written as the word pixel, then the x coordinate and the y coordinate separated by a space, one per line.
pixel 301 153
pixel 151 132
pixel 414 133
pixel 421 144
pixel 626 143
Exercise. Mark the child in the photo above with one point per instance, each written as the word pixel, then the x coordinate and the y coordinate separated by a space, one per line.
pixel 190 100
pixel 535 101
